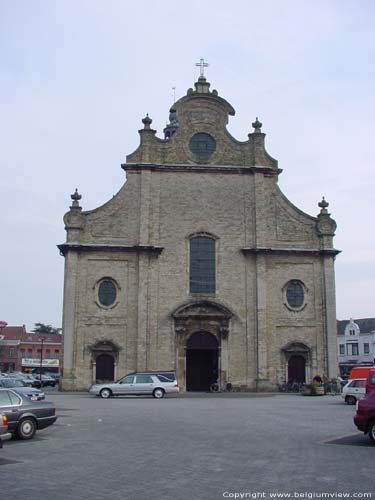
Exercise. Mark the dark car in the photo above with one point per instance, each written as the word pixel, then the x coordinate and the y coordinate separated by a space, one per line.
pixel 20 387
pixel 4 434
pixel 25 416
pixel 47 380
pixel 370 382
pixel 364 419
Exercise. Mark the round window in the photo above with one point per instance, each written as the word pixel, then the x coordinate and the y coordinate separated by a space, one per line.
pixel 295 294
pixel 107 293
pixel 202 145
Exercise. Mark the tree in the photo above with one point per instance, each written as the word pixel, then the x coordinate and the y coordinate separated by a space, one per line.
pixel 42 328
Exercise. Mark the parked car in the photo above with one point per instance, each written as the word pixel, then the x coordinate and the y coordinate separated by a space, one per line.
pixel 370 382
pixel 359 372
pixel 20 387
pixel 19 376
pixel 54 375
pixel 354 390
pixel 156 384
pixel 47 380
pixel 364 418
pixel 4 434
pixel 25 416
pixel 34 381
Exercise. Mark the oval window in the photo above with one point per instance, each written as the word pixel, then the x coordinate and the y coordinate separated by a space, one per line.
pixel 107 293
pixel 295 294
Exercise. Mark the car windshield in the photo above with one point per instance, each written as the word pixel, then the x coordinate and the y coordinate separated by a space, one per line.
pixel 12 383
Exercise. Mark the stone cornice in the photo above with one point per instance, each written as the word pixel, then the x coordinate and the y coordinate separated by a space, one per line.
pixel 187 167
pixel 98 247
pixel 290 251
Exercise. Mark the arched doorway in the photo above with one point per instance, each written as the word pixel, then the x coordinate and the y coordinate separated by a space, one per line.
pixel 201 361
pixel 105 367
pixel 297 368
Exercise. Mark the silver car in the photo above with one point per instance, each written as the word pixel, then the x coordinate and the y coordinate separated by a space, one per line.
pixel 156 384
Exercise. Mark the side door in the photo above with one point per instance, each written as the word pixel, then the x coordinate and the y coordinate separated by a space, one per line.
pixel 144 384
pixel 357 388
pixel 10 405
pixel 360 387
pixel 126 385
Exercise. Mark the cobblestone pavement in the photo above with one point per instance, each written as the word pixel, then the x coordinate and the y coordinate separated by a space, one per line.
pixel 197 447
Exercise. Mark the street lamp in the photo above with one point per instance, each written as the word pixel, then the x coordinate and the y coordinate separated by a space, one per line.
pixel 42 339
pixel 3 324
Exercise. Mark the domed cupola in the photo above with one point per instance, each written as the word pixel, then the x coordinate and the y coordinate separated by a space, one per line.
pixel 172 126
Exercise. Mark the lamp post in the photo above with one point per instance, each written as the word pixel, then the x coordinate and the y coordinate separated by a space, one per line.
pixel 3 324
pixel 42 339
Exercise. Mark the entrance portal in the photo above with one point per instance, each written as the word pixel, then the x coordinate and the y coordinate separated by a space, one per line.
pixel 296 369
pixel 201 361
pixel 105 367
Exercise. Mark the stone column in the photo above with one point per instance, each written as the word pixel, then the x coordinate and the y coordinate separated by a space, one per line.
pixel 93 372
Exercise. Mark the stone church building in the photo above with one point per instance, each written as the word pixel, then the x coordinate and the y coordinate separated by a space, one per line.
pixel 199 264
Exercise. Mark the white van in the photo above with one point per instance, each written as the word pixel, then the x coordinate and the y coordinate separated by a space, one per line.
pixel 355 389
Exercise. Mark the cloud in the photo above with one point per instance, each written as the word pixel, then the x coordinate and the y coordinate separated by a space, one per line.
pixel 78 77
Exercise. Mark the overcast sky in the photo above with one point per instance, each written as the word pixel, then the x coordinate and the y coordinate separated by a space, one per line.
pixel 77 77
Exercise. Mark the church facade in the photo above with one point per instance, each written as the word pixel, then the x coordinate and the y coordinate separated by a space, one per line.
pixel 199 264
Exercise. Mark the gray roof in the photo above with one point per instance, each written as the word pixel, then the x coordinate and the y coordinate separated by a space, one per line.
pixel 366 325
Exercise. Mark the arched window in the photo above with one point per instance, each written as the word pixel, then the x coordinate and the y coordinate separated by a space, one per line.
pixel 202 265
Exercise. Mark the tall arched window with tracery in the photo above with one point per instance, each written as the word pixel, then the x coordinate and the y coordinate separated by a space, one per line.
pixel 202 265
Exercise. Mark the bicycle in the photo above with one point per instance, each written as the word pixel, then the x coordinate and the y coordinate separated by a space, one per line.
pixel 291 386
pixel 216 387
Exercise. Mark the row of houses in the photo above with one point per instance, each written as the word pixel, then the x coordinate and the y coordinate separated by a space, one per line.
pixel 22 351
pixel 355 343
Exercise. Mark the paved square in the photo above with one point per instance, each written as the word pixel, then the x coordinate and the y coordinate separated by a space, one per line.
pixel 196 447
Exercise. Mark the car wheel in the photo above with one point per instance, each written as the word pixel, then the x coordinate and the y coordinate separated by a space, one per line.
pixel 350 400
pixel 158 393
pixel 105 393
pixel 26 428
pixel 371 432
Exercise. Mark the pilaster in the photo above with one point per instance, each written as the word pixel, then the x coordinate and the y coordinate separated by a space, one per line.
pixel 68 326
pixel 330 317
pixel 261 320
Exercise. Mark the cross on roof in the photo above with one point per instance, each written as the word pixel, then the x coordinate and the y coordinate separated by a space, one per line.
pixel 202 64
